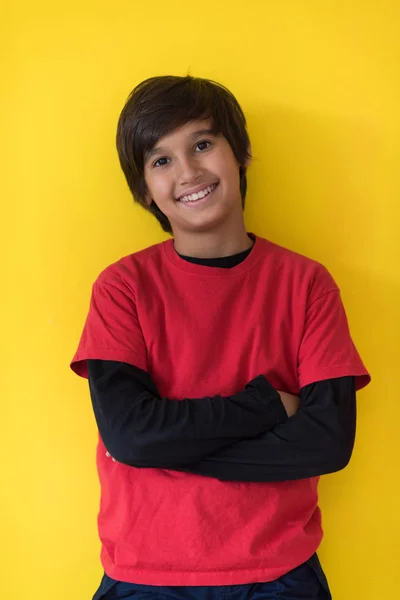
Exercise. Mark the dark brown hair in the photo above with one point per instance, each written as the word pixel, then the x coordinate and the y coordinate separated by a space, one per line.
pixel 158 106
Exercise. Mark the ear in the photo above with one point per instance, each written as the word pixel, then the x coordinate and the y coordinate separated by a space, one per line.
pixel 148 199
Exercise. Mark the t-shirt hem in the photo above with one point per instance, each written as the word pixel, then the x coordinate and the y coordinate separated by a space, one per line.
pixel 79 366
pixel 360 373
pixel 209 578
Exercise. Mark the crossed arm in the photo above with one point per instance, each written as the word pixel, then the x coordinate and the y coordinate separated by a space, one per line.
pixel 255 435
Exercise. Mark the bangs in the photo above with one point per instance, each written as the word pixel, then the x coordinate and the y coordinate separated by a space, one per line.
pixel 173 103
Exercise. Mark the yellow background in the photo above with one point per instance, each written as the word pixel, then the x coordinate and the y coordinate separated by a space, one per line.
pixel 319 81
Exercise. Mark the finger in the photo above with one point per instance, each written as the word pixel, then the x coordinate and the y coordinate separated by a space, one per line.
pixel 107 453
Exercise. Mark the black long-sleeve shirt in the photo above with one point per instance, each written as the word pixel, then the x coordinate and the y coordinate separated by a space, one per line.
pixel 244 437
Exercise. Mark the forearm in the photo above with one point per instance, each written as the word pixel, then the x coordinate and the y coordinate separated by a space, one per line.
pixel 139 428
pixel 317 440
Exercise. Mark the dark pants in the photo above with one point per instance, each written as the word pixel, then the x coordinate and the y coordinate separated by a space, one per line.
pixel 306 582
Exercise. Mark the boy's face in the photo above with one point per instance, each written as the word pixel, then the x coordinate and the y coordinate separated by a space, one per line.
pixel 193 177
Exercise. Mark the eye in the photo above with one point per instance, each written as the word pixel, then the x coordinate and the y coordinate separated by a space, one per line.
pixel 203 145
pixel 160 162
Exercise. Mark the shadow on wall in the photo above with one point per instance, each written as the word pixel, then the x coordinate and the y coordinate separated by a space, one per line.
pixel 316 172
pixel 326 193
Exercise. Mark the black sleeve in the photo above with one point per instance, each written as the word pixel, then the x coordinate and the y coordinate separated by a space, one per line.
pixel 317 440
pixel 140 429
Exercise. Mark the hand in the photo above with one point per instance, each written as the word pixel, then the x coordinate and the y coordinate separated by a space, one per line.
pixel 109 455
pixel 290 402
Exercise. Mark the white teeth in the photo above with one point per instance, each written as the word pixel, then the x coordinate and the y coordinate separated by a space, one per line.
pixel 201 194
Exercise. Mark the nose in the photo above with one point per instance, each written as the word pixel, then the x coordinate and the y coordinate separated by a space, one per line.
pixel 189 170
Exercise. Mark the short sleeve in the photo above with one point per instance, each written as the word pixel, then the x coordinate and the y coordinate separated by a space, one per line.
pixel 327 349
pixel 112 330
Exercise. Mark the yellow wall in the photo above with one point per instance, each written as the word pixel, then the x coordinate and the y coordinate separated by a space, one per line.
pixel 319 82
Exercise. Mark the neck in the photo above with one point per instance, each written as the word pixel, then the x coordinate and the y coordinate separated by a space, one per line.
pixel 212 244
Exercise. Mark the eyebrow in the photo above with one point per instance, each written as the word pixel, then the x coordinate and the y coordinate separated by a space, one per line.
pixel 193 135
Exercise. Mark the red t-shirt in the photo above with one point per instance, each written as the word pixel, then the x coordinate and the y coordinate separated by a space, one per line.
pixel 202 331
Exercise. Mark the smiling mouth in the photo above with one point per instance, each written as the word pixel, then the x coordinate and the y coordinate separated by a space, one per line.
pixel 201 195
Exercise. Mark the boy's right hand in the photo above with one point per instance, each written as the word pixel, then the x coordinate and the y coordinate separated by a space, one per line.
pixel 290 402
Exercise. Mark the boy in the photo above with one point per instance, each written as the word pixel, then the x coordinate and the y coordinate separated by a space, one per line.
pixel 208 470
